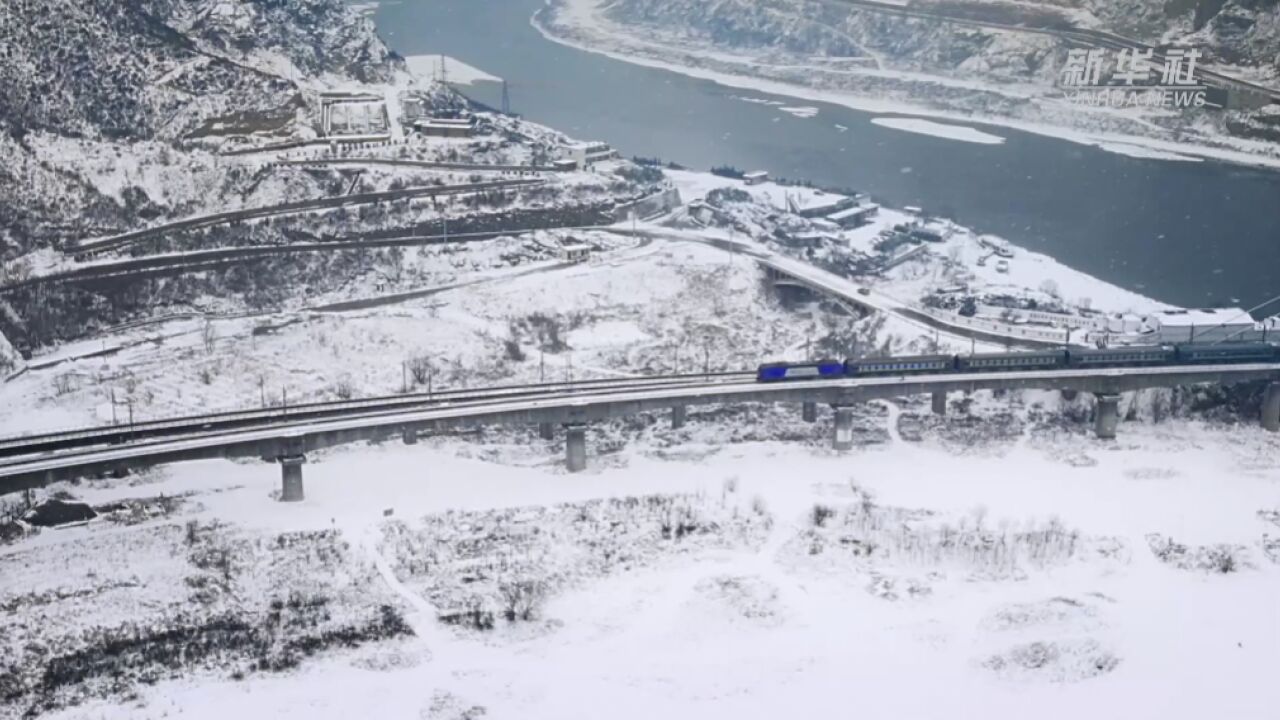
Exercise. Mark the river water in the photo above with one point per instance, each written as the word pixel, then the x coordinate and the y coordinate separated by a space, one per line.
pixel 1194 234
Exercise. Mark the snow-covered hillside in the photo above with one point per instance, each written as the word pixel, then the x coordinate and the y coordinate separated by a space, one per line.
pixel 881 61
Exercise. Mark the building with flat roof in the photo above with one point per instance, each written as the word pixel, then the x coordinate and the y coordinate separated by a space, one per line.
pixel 855 216
pixel 446 127
pixel 575 251
pixel 586 153
pixel 1202 325
pixel 755 178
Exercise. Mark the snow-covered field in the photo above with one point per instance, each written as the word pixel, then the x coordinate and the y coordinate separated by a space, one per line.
pixel 903 579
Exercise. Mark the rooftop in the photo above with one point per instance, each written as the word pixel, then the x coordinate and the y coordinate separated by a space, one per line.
pixel 1204 317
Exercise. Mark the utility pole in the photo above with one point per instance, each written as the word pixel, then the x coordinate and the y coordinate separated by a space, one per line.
pixel 706 357
pixel 404 376
pixel 284 401
pixel 113 406
pixel 130 402
pixel 542 365
pixel 568 369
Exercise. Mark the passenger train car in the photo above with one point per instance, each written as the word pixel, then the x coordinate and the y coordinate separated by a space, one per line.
pixel 1132 356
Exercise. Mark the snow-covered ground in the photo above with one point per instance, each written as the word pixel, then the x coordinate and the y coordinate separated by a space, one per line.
pixel 1027 271
pixel 1015 576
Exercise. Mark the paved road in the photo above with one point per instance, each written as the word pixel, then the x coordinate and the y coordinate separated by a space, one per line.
pixel 425 164
pixel 80 249
pixel 208 259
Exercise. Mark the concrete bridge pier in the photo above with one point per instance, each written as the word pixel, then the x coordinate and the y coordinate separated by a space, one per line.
pixel 1271 408
pixel 546 431
pixel 291 475
pixel 677 416
pixel 842 430
pixel 1107 416
pixel 809 411
pixel 940 403
pixel 575 447
pixel 410 436
pixel 1069 395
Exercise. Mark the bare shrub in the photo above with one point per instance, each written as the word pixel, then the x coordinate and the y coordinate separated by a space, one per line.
pixel 522 599
pixel 420 369
pixel 821 513
pixel 344 389
pixel 1219 558
pixel 65 383
pixel 759 506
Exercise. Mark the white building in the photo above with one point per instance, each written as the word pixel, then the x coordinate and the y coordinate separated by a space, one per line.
pixel 586 153
pixel 855 216
pixel 756 177
pixel 575 252
pixel 1204 325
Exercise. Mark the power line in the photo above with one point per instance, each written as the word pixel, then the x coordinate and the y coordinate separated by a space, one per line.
pixel 1248 313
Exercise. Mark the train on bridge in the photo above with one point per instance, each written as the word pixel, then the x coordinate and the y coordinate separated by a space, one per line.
pixel 1119 357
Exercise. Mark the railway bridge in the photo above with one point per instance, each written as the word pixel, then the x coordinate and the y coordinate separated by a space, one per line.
pixel 287 437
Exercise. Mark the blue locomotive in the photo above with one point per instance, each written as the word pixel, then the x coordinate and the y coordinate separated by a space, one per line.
pixel 1132 356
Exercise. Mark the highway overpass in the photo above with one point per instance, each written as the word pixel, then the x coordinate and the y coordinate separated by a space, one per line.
pixel 287 436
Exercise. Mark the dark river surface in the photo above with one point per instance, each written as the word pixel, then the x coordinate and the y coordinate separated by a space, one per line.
pixel 1195 234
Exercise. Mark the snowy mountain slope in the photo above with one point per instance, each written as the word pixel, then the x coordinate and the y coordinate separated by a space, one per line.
pixel 114 73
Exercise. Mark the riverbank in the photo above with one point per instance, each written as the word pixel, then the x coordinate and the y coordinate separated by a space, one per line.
pixel 583 25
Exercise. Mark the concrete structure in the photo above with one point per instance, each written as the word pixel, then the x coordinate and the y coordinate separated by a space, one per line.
pixel 934 231
pixel 1107 416
pixel 855 216
pixel 446 127
pixel 842 428
pixel 755 177
pixel 574 252
pixel 584 154
pixel 291 474
pixel 809 412
pixel 546 431
pixel 410 436
pixel 677 416
pixel 1205 325
pixel 1041 317
pixel 1271 407
pixel 939 403
pixel 575 447
pixel 287 438
pixel 823 209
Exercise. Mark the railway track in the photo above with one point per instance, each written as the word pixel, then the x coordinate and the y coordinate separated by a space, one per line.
pixel 365 407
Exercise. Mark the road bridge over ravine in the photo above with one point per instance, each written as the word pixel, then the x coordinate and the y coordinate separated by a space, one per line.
pixel 287 440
